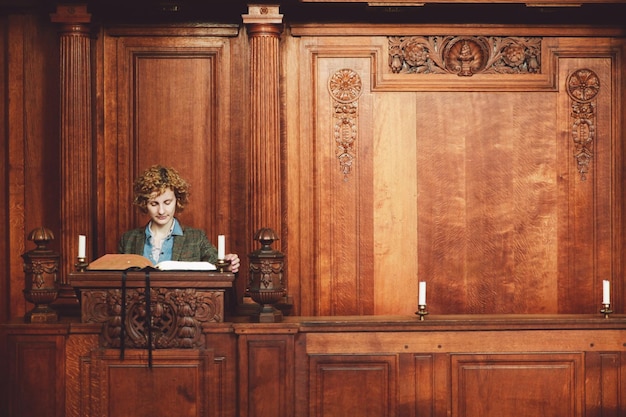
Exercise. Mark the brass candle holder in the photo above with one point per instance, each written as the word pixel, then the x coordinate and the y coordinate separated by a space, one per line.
pixel 606 310
pixel 222 265
pixel 81 264
pixel 421 311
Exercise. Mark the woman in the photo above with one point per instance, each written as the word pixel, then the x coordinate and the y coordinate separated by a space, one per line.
pixel 160 192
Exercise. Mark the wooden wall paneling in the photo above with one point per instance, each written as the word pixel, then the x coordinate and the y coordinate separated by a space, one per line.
pixel 497 385
pixel 168 103
pixel 590 220
pixel 472 186
pixel 363 385
pixel 266 370
pixel 5 243
pixel 344 184
pixel 487 202
pixel 395 203
pixel 177 383
pixel 221 339
pixel 335 216
pixel 78 352
pixel 31 145
pixel 603 375
pixel 36 373
pixel 301 377
pixel 16 176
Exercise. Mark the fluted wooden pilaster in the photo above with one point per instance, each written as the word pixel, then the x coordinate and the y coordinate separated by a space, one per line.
pixel 75 137
pixel 264 26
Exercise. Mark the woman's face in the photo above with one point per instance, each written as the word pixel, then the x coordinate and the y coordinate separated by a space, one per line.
pixel 162 208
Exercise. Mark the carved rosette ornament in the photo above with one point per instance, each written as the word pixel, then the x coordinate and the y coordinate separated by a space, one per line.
pixel 345 87
pixel 176 316
pixel 464 56
pixel 583 86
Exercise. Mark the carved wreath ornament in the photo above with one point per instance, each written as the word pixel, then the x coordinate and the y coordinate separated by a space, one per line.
pixel 464 56
pixel 345 87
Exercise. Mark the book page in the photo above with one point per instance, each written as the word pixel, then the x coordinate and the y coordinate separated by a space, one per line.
pixel 185 266
pixel 118 262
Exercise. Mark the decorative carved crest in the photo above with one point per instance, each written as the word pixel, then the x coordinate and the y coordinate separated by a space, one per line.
pixel 583 86
pixel 464 56
pixel 176 316
pixel 345 87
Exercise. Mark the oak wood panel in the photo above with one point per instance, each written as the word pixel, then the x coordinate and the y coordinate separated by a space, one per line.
pixel 503 385
pixel 345 236
pixel 602 383
pixel 353 385
pixel 30 141
pixel 266 374
pixel 177 383
pixel 480 341
pixel 167 101
pixel 474 188
pixel 4 229
pixel 488 208
pixel 36 371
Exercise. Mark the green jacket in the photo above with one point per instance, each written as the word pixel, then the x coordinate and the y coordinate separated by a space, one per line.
pixel 192 246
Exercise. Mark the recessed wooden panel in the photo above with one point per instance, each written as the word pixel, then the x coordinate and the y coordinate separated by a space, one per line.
pixel 176 384
pixel 165 103
pixel 353 385
pixel 267 364
pixel 36 371
pixel 549 385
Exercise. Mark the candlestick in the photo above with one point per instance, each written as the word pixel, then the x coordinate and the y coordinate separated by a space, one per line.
pixel 421 311
pixel 221 243
pixel 606 310
pixel 222 265
pixel 606 292
pixel 82 244
pixel 422 293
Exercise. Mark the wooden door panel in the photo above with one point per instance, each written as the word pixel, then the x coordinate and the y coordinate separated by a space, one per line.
pixel 353 385
pixel 548 385
pixel 166 100
pixel 177 384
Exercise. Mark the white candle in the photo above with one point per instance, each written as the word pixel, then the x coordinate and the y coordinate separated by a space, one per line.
pixel 422 294
pixel 606 292
pixel 82 245
pixel 221 243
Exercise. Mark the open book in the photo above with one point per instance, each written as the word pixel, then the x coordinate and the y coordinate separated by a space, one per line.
pixel 120 262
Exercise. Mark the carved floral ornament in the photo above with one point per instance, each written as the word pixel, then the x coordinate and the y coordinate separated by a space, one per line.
pixel 583 86
pixel 345 87
pixel 464 56
pixel 176 316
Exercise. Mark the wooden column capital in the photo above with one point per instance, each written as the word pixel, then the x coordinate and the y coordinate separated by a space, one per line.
pixel 72 17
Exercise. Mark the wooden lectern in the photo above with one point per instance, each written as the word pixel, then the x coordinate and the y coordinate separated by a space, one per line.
pixel 180 303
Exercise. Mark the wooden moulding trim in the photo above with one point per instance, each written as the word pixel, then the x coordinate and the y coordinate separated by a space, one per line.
pixel 337 29
pixel 182 30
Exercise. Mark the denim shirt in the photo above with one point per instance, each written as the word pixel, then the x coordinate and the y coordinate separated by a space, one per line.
pixel 166 246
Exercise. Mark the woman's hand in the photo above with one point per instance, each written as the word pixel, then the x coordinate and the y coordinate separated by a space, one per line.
pixel 234 262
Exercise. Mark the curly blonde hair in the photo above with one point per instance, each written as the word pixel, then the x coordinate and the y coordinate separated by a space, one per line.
pixel 157 179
